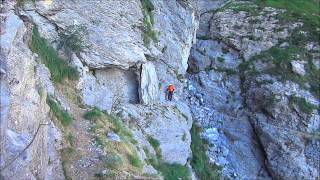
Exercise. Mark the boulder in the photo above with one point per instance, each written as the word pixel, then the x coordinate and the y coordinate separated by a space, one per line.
pixel 149 84
pixel 298 67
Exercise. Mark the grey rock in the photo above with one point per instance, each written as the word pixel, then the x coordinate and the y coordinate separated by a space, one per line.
pixel 298 67
pixel 149 87
pixel 43 77
pixel 235 28
pixel 167 124
pixel 113 137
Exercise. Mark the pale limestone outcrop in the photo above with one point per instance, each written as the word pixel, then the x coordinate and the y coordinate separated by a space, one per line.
pixel 23 108
pixel 169 124
pixel 149 84
pixel 283 112
pixel 248 33
pixel 114 36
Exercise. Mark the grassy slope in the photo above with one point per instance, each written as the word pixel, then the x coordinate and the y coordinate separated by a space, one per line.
pixel 120 152
pixel 307 10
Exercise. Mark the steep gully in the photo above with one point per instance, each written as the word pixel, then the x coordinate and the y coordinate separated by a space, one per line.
pixel 214 88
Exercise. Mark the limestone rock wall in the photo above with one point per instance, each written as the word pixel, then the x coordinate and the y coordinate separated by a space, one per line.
pixel 117 69
pixel 23 107
pixel 280 113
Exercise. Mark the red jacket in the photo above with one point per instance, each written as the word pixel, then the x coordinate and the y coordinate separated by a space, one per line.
pixel 171 88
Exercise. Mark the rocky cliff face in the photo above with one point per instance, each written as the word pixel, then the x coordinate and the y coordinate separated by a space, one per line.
pixel 248 86
pixel 24 112
pixel 124 67
pixel 83 90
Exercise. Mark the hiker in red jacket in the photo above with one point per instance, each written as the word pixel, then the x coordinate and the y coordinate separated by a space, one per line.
pixel 171 89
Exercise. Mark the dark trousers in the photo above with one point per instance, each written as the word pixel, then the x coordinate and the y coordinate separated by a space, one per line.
pixel 170 94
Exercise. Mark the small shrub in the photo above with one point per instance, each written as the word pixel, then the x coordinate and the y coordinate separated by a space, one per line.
pixel 225 50
pixel 172 171
pixel 205 37
pixel 72 38
pixel 303 105
pixel 184 137
pixel 221 59
pixel 148 33
pixel 58 67
pixel 113 160
pixel 71 139
pixel 200 161
pixel 93 114
pixel 228 71
pixel 62 115
pixel 135 160
pixel 98 141
pixel 156 146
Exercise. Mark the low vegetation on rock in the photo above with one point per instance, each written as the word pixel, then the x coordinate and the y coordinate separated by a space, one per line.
pixel 58 67
pixel 62 115
pixel 302 104
pixel 200 161
pixel 122 154
pixel 72 38
pixel 149 34
pixel 168 171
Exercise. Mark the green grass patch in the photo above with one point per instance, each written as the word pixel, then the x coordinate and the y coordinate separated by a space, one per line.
pixel 118 126
pixel 66 155
pixel 114 160
pixel 237 6
pixel 200 161
pixel 281 59
pixel 156 146
pixel 168 171
pixel 71 139
pixel 93 114
pixel 172 171
pixel 135 160
pixel 307 10
pixel 58 67
pixel 303 105
pixel 221 59
pixel 62 115
pixel 119 152
pixel 149 34
pixel 228 71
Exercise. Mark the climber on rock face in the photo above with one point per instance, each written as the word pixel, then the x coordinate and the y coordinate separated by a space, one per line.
pixel 171 89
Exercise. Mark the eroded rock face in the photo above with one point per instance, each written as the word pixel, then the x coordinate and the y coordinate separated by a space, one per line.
pixel 277 106
pixel 247 33
pixel 169 124
pixel 177 23
pixel 285 132
pixel 114 36
pixel 216 104
pixel 22 106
